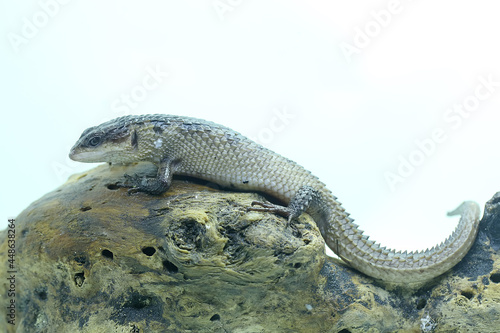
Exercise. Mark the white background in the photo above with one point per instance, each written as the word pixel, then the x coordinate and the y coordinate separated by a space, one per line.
pixel 66 66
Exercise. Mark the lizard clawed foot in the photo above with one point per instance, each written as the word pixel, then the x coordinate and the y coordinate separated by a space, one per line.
pixel 272 208
pixel 133 183
pixel 149 185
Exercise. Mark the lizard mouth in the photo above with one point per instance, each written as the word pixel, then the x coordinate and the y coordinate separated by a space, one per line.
pixel 86 156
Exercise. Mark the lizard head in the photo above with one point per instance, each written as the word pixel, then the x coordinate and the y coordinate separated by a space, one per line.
pixel 109 142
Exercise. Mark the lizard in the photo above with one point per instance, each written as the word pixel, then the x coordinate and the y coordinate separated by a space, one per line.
pixel 206 150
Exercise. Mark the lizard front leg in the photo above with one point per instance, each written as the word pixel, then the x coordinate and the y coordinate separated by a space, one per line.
pixel 154 186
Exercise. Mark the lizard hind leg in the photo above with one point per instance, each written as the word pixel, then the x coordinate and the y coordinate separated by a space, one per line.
pixel 272 208
pixel 298 205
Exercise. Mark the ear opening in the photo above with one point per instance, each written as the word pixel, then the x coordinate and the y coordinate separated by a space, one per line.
pixel 134 139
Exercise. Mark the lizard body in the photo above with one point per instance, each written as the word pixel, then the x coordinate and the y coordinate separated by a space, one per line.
pixel 202 149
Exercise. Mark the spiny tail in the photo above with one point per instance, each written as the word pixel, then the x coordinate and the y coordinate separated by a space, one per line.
pixel 348 242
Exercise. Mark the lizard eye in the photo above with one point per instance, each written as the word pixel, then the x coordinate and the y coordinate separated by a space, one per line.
pixel 94 141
